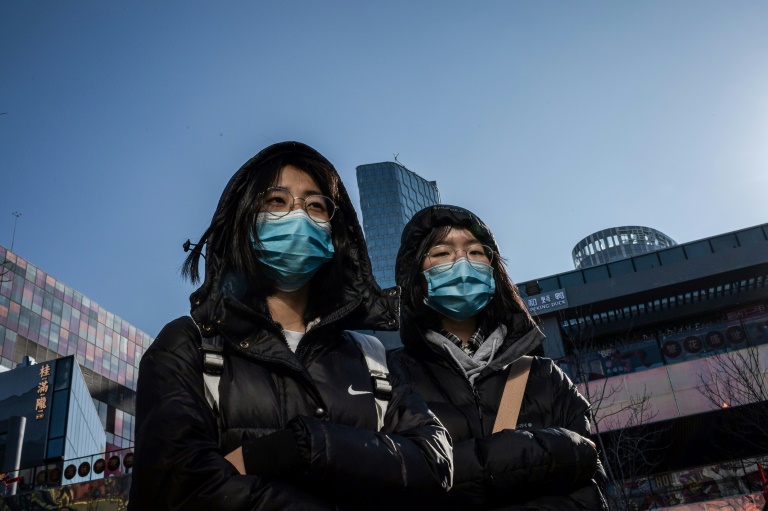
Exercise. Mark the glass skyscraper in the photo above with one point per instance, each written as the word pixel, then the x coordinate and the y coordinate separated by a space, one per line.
pixel 45 319
pixel 390 194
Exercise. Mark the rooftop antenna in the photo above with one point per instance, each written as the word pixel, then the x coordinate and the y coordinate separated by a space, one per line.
pixel 15 221
pixel 5 266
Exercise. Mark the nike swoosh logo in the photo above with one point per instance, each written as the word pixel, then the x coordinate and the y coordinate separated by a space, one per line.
pixel 353 392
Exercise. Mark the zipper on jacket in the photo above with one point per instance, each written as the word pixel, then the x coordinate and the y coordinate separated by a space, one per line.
pixel 475 395
pixel 278 328
pixel 302 348
pixel 303 372
pixel 477 404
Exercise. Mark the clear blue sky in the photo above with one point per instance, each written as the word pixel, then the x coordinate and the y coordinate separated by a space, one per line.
pixel 551 120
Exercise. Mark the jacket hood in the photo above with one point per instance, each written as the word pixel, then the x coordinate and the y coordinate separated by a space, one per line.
pixel 516 320
pixel 365 305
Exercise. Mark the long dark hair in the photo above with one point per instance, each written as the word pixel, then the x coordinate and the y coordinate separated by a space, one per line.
pixel 506 299
pixel 232 232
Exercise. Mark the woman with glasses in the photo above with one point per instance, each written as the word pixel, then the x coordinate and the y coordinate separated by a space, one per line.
pixel 463 327
pixel 260 399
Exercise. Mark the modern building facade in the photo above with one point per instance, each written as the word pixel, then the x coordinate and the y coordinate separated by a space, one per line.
pixel 669 329
pixel 390 194
pixel 47 417
pixel 618 243
pixel 43 318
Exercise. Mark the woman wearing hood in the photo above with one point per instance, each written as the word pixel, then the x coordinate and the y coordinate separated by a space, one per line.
pixel 290 420
pixel 463 327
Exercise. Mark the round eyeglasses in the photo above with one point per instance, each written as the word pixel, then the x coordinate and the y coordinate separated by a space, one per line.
pixel 279 202
pixel 444 254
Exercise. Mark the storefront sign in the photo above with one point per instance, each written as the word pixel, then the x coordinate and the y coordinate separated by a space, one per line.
pixel 41 402
pixel 114 463
pixel 547 302
pixel 747 312
pixel 84 469
pixel 70 471
pixel 99 465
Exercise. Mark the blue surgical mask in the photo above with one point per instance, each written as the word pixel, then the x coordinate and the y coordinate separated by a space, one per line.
pixel 461 291
pixel 292 248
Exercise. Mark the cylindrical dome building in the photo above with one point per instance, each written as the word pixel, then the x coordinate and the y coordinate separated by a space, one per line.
pixel 617 243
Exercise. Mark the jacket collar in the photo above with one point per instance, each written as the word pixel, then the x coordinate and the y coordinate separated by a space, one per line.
pixel 517 343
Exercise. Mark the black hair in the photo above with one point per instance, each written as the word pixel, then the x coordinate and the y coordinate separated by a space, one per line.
pixel 506 297
pixel 232 233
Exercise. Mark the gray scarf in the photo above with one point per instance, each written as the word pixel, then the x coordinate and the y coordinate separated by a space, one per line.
pixel 470 365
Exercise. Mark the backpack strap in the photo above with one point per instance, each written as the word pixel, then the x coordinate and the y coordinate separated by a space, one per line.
pixel 512 396
pixel 213 366
pixel 376 359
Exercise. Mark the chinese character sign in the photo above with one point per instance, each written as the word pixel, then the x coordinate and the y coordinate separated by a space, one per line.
pixel 41 403
pixel 547 302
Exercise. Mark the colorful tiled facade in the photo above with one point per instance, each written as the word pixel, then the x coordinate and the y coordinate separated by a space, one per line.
pixel 43 318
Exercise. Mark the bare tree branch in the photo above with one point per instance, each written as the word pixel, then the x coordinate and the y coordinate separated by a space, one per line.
pixel 632 449
pixel 736 379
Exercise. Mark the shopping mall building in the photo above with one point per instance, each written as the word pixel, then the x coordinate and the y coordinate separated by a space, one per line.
pixel 670 343
pixel 68 370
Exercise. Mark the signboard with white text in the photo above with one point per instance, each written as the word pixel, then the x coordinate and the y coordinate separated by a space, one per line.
pixel 547 302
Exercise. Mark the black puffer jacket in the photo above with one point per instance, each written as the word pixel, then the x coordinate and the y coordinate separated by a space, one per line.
pixel 322 394
pixel 546 463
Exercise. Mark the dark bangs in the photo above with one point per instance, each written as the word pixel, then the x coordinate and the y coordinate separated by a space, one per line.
pixel 233 231
pixel 413 293
pixel 506 298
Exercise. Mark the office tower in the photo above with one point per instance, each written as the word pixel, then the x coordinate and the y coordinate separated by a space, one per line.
pixel 390 194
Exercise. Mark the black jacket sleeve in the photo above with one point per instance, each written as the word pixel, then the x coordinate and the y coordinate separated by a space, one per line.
pixel 519 465
pixel 178 462
pixel 575 411
pixel 511 464
pixel 411 455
